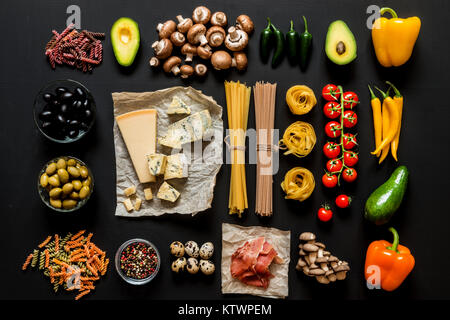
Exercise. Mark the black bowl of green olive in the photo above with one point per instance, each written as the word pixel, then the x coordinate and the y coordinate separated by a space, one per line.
pixel 65 184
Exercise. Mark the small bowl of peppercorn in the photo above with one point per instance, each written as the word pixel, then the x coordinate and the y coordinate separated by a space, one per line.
pixel 137 261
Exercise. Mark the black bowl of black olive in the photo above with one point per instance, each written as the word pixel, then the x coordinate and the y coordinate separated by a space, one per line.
pixel 64 111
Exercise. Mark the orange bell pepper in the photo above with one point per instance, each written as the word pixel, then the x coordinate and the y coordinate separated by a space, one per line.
pixel 395 262
pixel 394 39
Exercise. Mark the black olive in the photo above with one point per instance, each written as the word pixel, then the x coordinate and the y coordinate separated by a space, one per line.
pixel 78 106
pixel 73 134
pixel 46 125
pixel 87 114
pixel 80 92
pixel 45 115
pixel 48 97
pixel 64 108
pixel 60 90
pixel 61 119
pixel 56 103
pixel 86 103
pixel 74 123
pixel 67 96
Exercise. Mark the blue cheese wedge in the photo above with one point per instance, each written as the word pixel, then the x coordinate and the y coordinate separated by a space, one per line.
pixel 178 107
pixel 167 192
pixel 177 166
pixel 187 130
pixel 156 163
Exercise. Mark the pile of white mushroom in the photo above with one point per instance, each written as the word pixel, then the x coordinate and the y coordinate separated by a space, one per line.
pixel 203 36
pixel 315 261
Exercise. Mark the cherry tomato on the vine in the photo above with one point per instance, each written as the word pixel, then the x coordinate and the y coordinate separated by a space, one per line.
pixel 350 158
pixel 343 201
pixel 333 129
pixel 324 213
pixel 334 165
pixel 349 141
pixel 329 180
pixel 350 119
pixel 349 174
pixel 332 110
pixel 350 100
pixel 330 92
pixel 331 150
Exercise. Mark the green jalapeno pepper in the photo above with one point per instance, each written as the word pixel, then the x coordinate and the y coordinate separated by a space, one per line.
pixel 305 46
pixel 266 42
pixel 292 43
pixel 279 46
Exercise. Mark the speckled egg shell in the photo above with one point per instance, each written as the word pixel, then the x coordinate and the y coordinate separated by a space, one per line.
pixel 206 250
pixel 178 265
pixel 177 249
pixel 207 267
pixel 192 265
pixel 192 249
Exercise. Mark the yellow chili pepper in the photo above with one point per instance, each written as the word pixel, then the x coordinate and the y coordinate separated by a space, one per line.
pixel 398 99
pixel 394 39
pixel 377 119
pixel 385 127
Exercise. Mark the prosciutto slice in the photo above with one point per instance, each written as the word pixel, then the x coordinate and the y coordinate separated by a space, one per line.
pixel 250 263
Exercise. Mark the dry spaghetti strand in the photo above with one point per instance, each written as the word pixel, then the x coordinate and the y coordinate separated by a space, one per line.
pixel 298 184
pixel 300 99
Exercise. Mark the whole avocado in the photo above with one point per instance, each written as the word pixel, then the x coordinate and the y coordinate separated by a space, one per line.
pixel 386 199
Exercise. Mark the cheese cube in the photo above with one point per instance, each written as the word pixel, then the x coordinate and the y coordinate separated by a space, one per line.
pixel 137 204
pixel 178 107
pixel 176 167
pixel 128 205
pixel 156 163
pixel 168 193
pixel 129 191
pixel 148 194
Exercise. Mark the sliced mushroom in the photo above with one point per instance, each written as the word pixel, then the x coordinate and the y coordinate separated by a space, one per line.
pixel 236 39
pixel 196 34
pixel 215 36
pixel 177 38
pixel 309 247
pixel 239 61
pixel 244 23
pixel 184 24
pixel 162 48
pixel 204 52
pixel 201 15
pixel 171 65
pixel 186 71
pixel 221 60
pixel 219 19
pixel 154 62
pixel 166 29
pixel 322 280
pixel 189 50
pixel 200 69
pixel 306 236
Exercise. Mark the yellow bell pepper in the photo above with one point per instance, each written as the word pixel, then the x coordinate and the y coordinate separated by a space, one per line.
pixel 393 39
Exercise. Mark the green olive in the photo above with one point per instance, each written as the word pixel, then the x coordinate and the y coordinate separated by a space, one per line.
pixel 51 168
pixel 55 193
pixel 74 195
pixel 54 181
pixel 84 172
pixel 71 162
pixel 84 192
pixel 74 172
pixel 69 204
pixel 77 185
pixel 87 182
pixel 44 180
pixel 67 188
pixel 63 175
pixel 61 164
pixel 56 203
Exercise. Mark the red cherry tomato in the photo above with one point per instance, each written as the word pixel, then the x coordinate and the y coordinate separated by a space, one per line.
pixel 350 119
pixel 334 165
pixel 329 180
pixel 349 141
pixel 333 129
pixel 324 214
pixel 332 110
pixel 349 174
pixel 343 201
pixel 330 92
pixel 350 100
pixel 350 158
pixel 331 150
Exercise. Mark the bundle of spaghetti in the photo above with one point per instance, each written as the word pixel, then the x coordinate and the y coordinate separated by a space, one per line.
pixel 238 101
pixel 264 95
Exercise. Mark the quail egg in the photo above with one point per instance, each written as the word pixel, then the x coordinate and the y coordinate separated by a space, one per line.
pixel 206 250
pixel 192 249
pixel 177 249
pixel 192 265
pixel 179 264
pixel 207 267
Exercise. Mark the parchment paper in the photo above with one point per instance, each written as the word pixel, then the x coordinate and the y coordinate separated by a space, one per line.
pixel 233 237
pixel 197 190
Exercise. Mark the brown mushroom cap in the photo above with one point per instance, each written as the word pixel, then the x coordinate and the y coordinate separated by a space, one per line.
pixel 204 52
pixel 200 69
pixel 186 71
pixel 221 60
pixel 196 34
pixel 236 39
pixel 201 15
pixel 244 22
pixel 215 36
pixel 189 50
pixel 307 236
pixel 154 62
pixel 171 65
pixel 162 48
pixel 219 19
pixel 177 38
pixel 184 24
pixel 239 61
pixel 166 29
pixel 310 247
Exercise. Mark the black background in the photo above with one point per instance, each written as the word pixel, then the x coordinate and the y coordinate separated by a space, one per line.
pixel 422 220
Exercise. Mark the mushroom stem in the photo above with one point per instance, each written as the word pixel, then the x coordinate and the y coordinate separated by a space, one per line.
pixel 154 62
pixel 175 70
